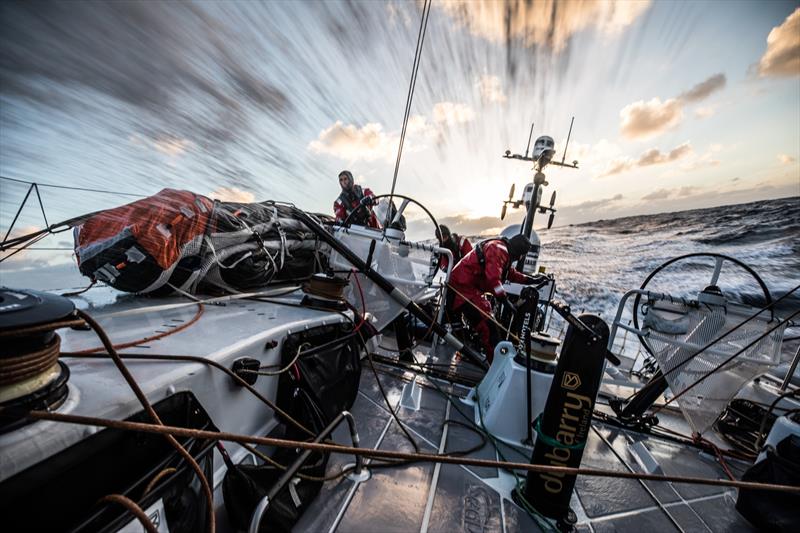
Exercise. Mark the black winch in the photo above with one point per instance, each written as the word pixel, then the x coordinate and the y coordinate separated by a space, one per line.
pixel 31 376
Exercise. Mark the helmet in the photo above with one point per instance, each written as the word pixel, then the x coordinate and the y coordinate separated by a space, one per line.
pixel 443 232
pixel 349 175
pixel 518 245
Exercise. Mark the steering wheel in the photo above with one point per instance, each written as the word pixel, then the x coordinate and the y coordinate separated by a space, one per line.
pixel 719 261
pixel 406 200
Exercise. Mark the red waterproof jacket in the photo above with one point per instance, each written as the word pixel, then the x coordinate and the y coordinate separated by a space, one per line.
pixel 460 246
pixel 473 280
pixel 348 201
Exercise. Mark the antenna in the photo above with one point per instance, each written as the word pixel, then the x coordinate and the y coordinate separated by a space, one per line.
pixel 563 157
pixel 529 140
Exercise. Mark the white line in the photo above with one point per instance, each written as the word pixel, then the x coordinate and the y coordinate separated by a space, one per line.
pixel 639 510
pixel 352 491
pixel 432 489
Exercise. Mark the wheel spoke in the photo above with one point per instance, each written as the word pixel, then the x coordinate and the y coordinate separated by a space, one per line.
pixel 717 270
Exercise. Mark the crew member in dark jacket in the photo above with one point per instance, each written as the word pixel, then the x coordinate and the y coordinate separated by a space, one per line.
pixel 354 198
pixel 460 246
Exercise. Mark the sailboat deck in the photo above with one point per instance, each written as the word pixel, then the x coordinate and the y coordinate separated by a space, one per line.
pixel 424 497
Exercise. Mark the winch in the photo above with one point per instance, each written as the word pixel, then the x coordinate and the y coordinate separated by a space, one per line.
pixel 31 376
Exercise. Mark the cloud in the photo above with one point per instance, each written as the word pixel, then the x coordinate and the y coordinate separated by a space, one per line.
pixel 782 57
pixel 351 143
pixel 641 120
pixel 370 142
pixel 677 192
pixel 786 159
pixel 491 90
pixel 704 89
pixel 653 156
pixel 618 166
pixel 594 204
pixel 170 146
pixel 21 256
pixel 452 113
pixel 660 194
pixel 164 69
pixel 232 194
pixel 704 112
pixel 396 13
pixel 542 23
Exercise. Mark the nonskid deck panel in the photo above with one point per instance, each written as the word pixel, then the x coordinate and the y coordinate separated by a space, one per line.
pixel 478 499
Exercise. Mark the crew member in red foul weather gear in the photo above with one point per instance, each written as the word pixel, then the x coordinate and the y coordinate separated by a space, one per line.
pixel 354 198
pixel 483 270
pixel 460 246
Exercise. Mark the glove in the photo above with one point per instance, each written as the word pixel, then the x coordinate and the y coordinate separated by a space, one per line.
pixel 502 300
pixel 368 201
pixel 535 280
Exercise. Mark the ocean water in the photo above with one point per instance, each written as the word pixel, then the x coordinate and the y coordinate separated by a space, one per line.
pixel 597 262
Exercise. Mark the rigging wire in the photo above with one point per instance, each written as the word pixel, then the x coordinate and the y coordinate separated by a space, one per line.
pixel 84 189
pixel 423 26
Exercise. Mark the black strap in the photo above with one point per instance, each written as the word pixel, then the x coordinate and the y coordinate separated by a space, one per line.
pixel 482 256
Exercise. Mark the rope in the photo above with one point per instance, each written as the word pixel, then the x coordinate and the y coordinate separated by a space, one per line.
pixel 153 415
pixel 132 508
pixel 22 367
pixel 77 293
pixel 157 336
pixel 194 359
pixel 423 26
pixel 158 477
pixel 388 454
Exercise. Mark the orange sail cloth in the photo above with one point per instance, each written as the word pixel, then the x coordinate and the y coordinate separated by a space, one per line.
pixel 161 225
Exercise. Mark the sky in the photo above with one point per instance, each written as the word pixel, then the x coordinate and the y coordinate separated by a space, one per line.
pixel 677 105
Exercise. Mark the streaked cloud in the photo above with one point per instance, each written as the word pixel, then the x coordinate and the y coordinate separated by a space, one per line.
pixel 152 62
pixel 351 143
pixel 704 89
pixel 491 90
pixel 452 113
pixel 653 156
pixel 786 159
pixel 546 23
pixel 371 142
pixel 643 120
pixel 232 194
pixel 782 57
pixel 171 146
